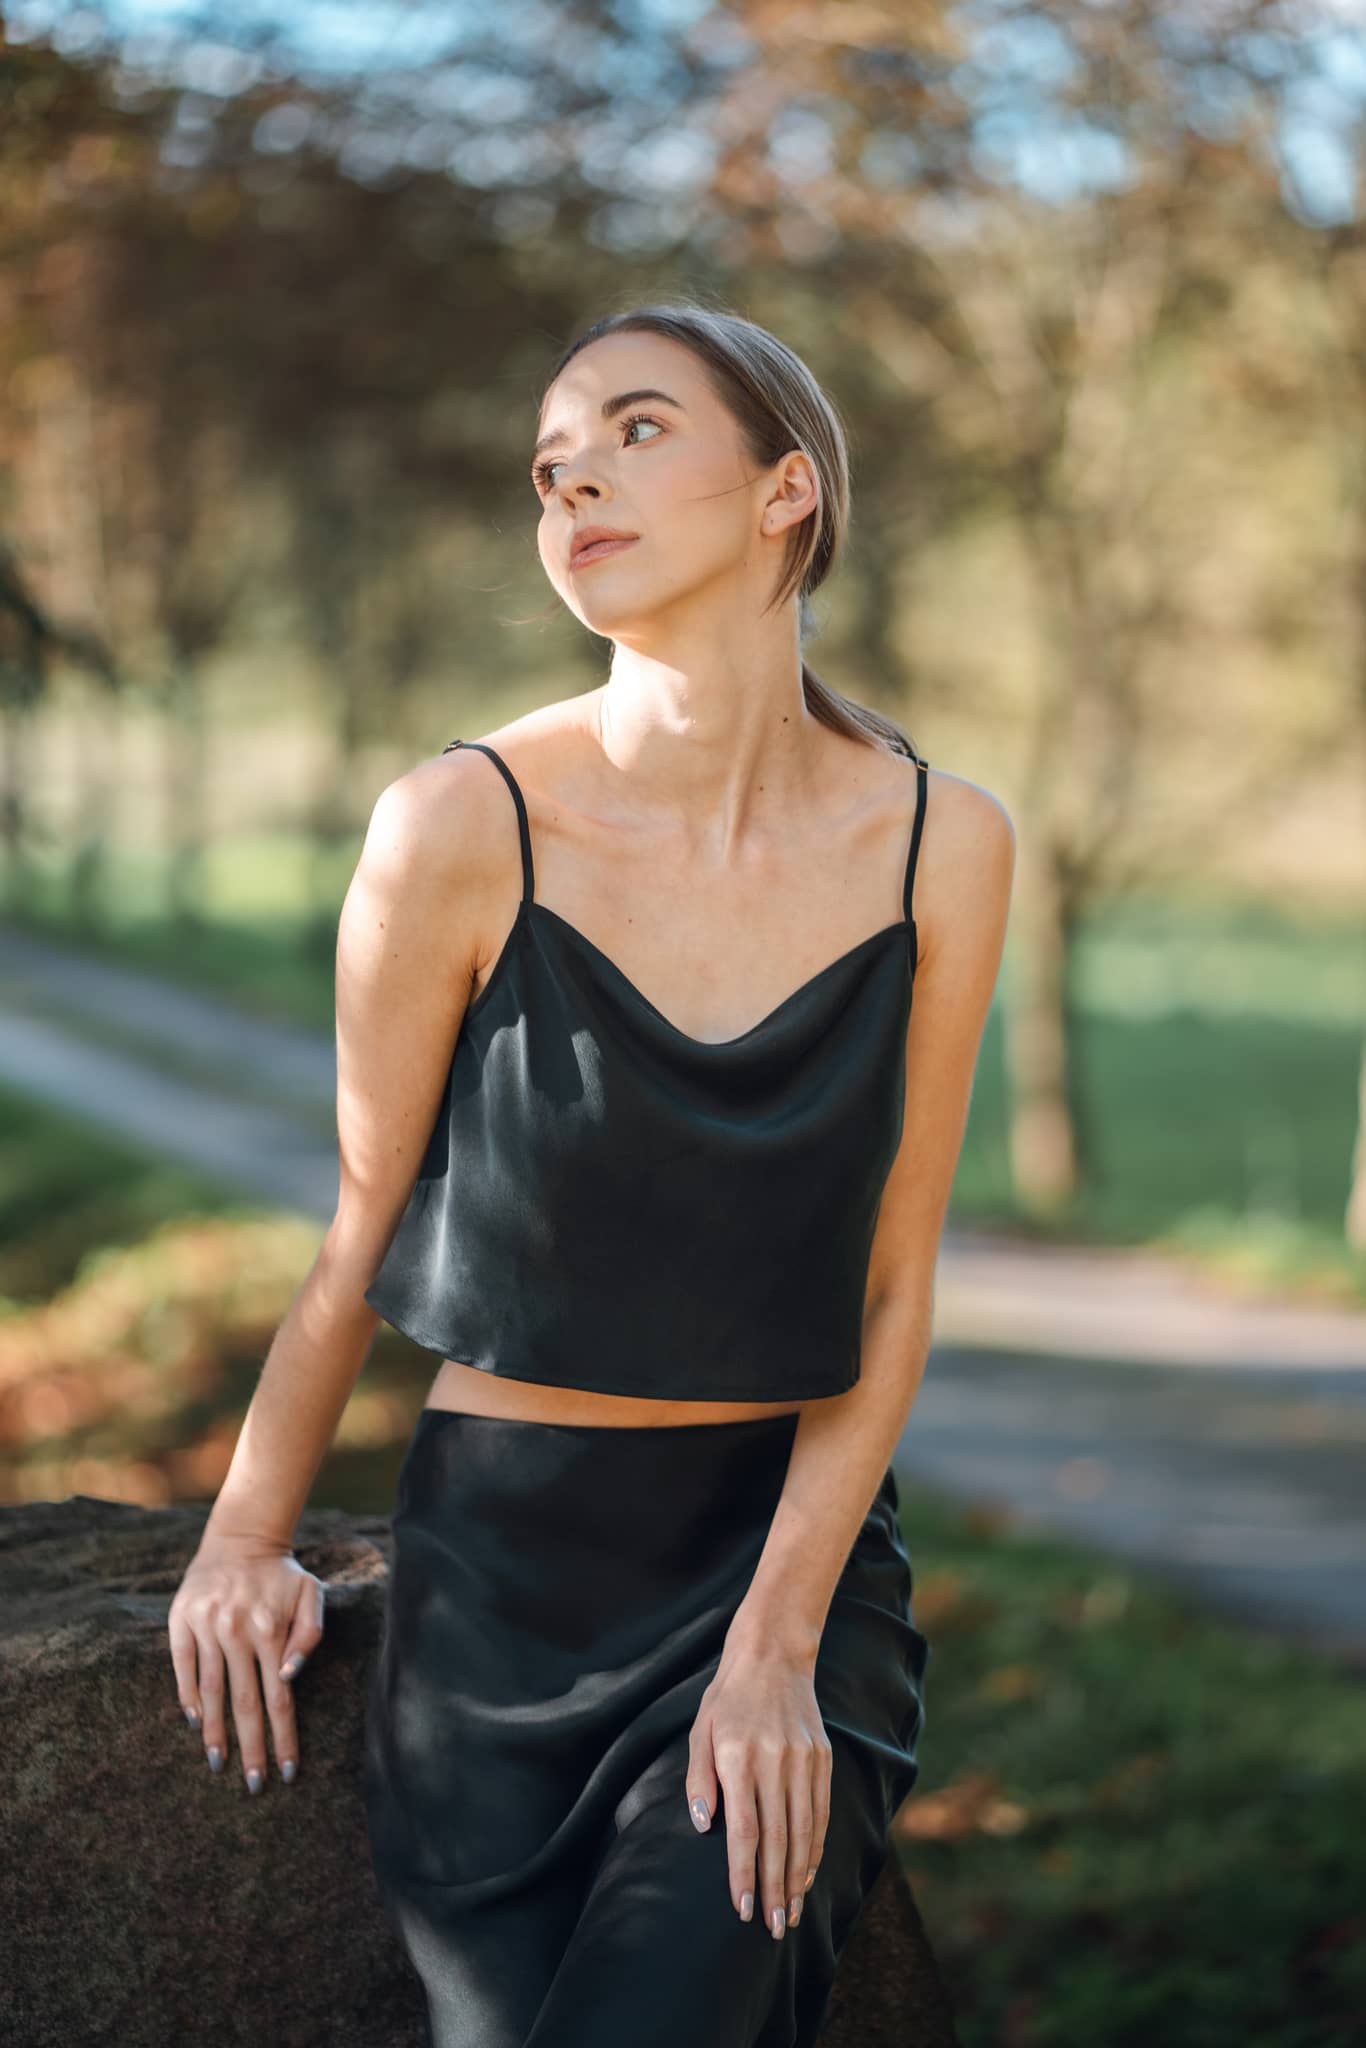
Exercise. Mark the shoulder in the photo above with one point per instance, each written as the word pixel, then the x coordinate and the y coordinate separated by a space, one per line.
pixel 965 830
pixel 534 748
pixel 451 818
pixel 433 824
pixel 970 821
pixel 966 863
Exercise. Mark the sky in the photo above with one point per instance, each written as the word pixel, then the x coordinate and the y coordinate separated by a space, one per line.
pixel 1015 74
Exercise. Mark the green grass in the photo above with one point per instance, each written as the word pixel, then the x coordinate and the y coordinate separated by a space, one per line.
pixel 259 945
pixel 1167 1846
pixel 69 1192
pixel 1147 1824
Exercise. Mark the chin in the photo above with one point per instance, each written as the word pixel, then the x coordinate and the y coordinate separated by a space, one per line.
pixel 629 613
pixel 637 612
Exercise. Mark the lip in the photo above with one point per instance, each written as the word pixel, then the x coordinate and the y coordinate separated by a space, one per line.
pixel 596 543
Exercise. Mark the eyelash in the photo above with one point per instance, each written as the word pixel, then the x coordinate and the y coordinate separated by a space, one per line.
pixel 540 474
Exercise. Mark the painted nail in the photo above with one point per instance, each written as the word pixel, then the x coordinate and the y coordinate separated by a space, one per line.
pixel 810 1879
pixel 701 1819
pixel 746 1905
pixel 794 1909
pixel 287 1771
pixel 255 1780
pixel 215 1759
pixel 292 1669
pixel 779 1920
pixel 192 1717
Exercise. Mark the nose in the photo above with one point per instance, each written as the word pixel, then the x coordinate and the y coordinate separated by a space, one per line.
pixel 586 487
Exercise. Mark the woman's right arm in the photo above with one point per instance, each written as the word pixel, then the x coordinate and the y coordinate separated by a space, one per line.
pixel 407 953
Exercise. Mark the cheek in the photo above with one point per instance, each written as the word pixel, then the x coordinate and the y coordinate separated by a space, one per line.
pixel 691 493
pixel 698 514
pixel 545 548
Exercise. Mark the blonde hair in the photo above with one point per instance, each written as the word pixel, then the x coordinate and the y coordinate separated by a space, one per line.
pixel 778 405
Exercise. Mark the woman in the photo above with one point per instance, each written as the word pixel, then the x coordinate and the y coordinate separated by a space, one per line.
pixel 650 1690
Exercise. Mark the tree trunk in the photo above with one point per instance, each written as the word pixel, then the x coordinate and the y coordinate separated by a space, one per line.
pixel 185 764
pixel 1042 1141
pixel 1354 1224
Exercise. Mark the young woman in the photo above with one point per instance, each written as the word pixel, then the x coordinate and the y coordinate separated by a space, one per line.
pixel 641 1135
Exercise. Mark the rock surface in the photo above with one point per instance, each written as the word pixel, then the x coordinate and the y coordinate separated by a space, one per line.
pixel 148 1902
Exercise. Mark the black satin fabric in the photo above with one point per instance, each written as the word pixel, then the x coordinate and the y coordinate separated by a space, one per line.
pixel 557 1605
pixel 698 1215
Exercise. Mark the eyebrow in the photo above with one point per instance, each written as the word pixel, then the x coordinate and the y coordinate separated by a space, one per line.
pixel 610 408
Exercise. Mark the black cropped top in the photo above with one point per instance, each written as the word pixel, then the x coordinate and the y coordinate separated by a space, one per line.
pixel 608 1203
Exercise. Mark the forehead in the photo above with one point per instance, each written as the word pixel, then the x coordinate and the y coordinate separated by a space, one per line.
pixel 621 369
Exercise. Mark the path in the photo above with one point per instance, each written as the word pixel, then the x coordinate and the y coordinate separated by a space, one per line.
pixel 1108 1394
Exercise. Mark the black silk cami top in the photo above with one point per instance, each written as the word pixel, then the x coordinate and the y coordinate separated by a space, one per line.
pixel 608 1203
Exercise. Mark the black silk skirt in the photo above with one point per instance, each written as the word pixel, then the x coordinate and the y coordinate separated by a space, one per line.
pixel 557 1604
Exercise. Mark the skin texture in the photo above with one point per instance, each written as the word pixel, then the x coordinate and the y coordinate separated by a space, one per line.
pixel 721 846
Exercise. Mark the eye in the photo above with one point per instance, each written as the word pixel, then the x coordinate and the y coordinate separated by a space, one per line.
pixel 540 473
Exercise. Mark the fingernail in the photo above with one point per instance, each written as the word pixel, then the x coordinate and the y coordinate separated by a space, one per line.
pixel 779 1922
pixel 810 1879
pixel 746 1905
pixel 215 1759
pixel 794 1909
pixel 192 1717
pixel 255 1780
pixel 287 1771
pixel 291 1669
pixel 701 1819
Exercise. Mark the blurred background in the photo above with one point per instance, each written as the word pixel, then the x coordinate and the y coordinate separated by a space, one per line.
pixel 280 287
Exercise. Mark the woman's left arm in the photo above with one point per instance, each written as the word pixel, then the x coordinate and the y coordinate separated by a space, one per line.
pixel 758 1732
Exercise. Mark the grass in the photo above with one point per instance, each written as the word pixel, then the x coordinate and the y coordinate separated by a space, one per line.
pixel 70 1193
pixel 1133 1824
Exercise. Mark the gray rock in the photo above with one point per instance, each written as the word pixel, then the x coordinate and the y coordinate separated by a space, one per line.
pixel 148 1903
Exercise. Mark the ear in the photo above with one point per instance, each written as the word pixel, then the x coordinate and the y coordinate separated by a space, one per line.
pixel 794 495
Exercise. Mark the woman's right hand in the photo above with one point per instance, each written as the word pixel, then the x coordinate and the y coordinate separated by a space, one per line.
pixel 254 1611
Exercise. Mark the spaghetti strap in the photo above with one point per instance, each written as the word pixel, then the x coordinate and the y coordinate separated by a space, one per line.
pixel 523 827
pixel 923 784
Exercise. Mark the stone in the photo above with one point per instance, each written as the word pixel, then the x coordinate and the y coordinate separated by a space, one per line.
pixel 150 1903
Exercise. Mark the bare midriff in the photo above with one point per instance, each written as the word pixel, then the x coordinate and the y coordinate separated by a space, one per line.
pixel 468 1391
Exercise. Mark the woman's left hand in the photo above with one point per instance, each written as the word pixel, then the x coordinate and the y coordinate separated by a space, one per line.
pixel 759 1733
